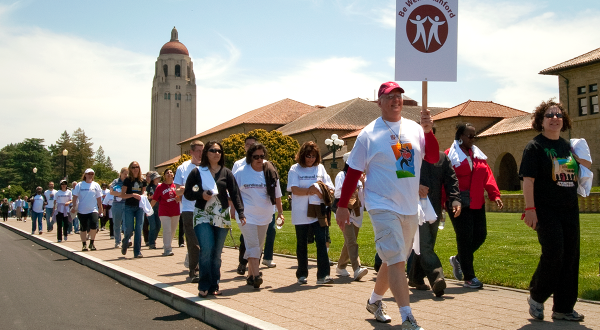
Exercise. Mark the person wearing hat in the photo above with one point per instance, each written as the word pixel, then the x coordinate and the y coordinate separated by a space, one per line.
pixel 63 199
pixel 350 249
pixel 87 198
pixel 153 220
pixel 390 150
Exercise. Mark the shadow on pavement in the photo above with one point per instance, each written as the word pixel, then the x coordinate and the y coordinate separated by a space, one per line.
pixel 534 325
pixel 174 317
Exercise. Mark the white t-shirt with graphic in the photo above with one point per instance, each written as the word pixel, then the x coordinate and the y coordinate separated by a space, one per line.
pixel 304 177
pixel 38 204
pixel 50 197
pixel 62 197
pixel 237 165
pixel 87 193
pixel 257 204
pixel 183 171
pixel 392 169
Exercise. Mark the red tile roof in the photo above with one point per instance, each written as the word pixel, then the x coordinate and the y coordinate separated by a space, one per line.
pixel 508 125
pixel 582 60
pixel 278 113
pixel 168 162
pixel 479 109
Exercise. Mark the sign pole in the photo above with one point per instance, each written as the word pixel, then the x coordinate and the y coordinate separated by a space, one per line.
pixel 424 97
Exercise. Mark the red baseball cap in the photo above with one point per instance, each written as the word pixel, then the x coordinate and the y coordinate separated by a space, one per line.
pixel 387 87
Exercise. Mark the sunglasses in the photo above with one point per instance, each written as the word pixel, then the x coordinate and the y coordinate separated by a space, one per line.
pixel 132 167
pixel 257 157
pixel 216 151
pixel 552 114
pixel 311 156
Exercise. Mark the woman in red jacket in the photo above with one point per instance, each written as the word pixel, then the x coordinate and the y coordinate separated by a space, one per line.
pixel 474 176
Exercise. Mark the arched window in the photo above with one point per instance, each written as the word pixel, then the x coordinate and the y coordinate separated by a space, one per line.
pixel 166 70
pixel 169 96
pixel 177 70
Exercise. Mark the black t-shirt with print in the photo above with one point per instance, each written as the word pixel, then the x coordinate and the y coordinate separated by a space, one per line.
pixel 552 165
pixel 133 187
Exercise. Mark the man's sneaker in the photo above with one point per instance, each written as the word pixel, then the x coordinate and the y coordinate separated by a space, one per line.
pixel 92 247
pixel 360 273
pixel 410 324
pixel 124 249
pixel 196 279
pixel 186 262
pixel 102 229
pixel 84 248
pixel 241 270
pixel 269 263
pixel 378 309
pixel 325 280
pixel 302 280
pixel 258 280
pixel 139 256
pixel 250 280
pixel 341 272
pixel 536 310
pixel 573 316
pixel 112 237
pixel 117 245
pixel 438 287
pixel 456 270
pixel 181 245
pixel 473 284
pixel 59 241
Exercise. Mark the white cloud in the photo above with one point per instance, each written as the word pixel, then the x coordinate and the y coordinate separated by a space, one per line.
pixel 381 12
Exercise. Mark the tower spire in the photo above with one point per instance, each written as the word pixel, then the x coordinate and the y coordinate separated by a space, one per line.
pixel 174 36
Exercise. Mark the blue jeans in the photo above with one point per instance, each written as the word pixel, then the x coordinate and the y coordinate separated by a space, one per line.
pixel 49 224
pixel 211 240
pixel 129 213
pixel 36 216
pixel 153 226
pixel 117 213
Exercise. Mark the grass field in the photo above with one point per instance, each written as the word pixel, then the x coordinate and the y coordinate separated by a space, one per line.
pixel 507 258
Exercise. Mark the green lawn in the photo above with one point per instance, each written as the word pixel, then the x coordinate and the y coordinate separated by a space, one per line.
pixel 508 257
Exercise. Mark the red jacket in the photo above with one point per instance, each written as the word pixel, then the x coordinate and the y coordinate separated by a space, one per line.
pixel 483 178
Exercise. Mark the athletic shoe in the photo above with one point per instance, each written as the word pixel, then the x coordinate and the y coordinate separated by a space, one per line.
pixel 196 279
pixel 573 316
pixel 139 256
pixel 65 238
pixel 302 280
pixel 33 233
pixel 536 310
pixel 102 229
pixel 250 280
pixel 186 262
pixel 181 245
pixel 84 248
pixel 325 280
pixel 410 324
pixel 112 237
pixel 378 309
pixel 59 241
pixel 152 247
pixel 360 273
pixel 130 244
pixel 438 287
pixel 241 269
pixel 117 245
pixel 40 232
pixel 124 249
pixel 341 272
pixel 92 247
pixel 168 253
pixel 258 280
pixel 473 284
pixel 269 263
pixel 456 270
pixel 418 286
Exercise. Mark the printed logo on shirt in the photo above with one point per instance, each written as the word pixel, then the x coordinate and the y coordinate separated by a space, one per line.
pixel 564 170
pixel 405 160
pixel 254 185
pixel 311 177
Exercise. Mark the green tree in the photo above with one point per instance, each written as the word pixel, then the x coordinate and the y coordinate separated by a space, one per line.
pixel 83 154
pixel 103 167
pixel 281 148
pixel 30 154
pixel 58 160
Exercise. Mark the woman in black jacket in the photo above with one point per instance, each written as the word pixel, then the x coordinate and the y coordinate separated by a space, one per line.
pixel 209 185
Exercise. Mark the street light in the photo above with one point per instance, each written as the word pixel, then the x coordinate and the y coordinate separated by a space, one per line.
pixel 65 153
pixel 34 172
pixel 334 144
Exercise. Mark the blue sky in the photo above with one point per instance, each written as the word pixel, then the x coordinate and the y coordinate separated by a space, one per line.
pixel 89 64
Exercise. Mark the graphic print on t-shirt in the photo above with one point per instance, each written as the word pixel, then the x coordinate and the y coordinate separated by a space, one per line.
pixel 405 160
pixel 564 170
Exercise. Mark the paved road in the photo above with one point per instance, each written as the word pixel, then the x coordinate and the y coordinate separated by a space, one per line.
pixel 42 289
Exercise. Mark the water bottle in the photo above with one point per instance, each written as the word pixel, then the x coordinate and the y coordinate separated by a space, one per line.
pixel 279 222
pixel 443 220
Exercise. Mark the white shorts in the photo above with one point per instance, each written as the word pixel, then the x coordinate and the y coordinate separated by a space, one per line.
pixel 394 234
pixel 254 238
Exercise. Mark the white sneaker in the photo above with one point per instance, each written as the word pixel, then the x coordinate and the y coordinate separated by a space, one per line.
pixel 269 263
pixel 359 273
pixel 410 324
pixel 325 280
pixel 117 245
pixel 302 280
pixel 378 309
pixel 341 272
pixel 186 263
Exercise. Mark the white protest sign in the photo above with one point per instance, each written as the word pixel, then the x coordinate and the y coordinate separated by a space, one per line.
pixel 426 40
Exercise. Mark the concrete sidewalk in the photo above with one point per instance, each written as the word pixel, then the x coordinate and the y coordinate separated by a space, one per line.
pixel 282 303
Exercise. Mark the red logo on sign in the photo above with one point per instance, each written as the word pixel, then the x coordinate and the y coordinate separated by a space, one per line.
pixel 427 28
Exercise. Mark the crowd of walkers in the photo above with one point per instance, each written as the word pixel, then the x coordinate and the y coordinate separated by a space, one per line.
pixel 395 171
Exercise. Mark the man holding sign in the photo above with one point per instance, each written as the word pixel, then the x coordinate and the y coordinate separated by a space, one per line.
pixel 390 151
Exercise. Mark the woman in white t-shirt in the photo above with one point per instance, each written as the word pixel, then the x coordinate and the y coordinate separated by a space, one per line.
pixel 63 199
pixel 258 182
pixel 87 198
pixel 301 182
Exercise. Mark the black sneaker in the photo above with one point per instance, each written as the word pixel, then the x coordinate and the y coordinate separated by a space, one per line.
pixel 92 247
pixel 250 280
pixel 241 270
pixel 124 249
pixel 84 248
pixel 258 280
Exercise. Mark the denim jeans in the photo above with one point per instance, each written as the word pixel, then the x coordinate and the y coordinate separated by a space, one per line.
pixel 211 240
pixel 302 250
pixel 153 226
pixel 129 213
pixel 117 213
pixel 76 225
pixel 49 223
pixel 36 216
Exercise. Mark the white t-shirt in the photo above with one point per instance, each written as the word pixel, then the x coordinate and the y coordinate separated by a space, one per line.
pixel 86 197
pixel 257 204
pixel 339 181
pixel 183 171
pixel 50 197
pixel 62 197
pixel 38 204
pixel 237 165
pixel 304 177
pixel 392 173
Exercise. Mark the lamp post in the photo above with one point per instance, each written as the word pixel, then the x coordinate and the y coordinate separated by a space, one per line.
pixel 65 153
pixel 334 144
pixel 34 172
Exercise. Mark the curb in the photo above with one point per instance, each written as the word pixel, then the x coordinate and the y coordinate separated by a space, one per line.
pixel 206 311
